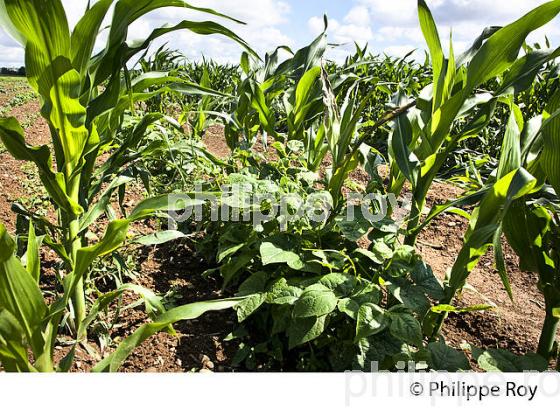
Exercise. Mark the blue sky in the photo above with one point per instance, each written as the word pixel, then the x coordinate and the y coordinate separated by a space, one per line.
pixel 386 25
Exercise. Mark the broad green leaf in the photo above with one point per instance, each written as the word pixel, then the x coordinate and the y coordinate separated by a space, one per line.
pixel 510 158
pixel 522 73
pixel 84 35
pixel 486 219
pixel 424 278
pixel 19 292
pixel 275 250
pixel 371 319
pixel 315 301
pixel 501 50
pixel 12 136
pixel 500 261
pixel 498 360
pixel 550 159
pixel 224 252
pixel 13 351
pixel 302 330
pixel 446 358
pixel 256 283
pixel 303 93
pixel 349 306
pixel 431 36
pixel 283 294
pixel 400 141
pixel 377 349
pixel 152 302
pixel 405 327
pixel 115 57
pixel 339 283
pixel 247 307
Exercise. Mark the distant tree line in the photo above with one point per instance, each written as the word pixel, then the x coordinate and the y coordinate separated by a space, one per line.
pixel 12 71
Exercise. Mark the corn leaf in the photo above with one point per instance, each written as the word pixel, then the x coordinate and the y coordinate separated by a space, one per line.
pixel 187 312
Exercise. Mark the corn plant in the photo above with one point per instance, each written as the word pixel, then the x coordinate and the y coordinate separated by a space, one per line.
pixel 523 205
pixel 520 201
pixel 29 325
pixel 83 100
pixel 454 108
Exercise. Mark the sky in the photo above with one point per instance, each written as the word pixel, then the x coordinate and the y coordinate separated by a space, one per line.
pixel 388 26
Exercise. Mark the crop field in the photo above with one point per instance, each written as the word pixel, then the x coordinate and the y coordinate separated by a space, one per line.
pixel 159 214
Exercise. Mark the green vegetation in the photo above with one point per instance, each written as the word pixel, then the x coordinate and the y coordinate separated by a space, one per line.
pixel 310 293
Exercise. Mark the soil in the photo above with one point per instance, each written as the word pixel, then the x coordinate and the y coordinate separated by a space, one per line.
pixel 199 344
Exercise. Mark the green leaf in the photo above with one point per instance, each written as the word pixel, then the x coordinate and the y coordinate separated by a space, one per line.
pixel 12 135
pixel 152 302
pixel 276 250
pixel 353 228
pixel 550 158
pixel 377 350
pixel 13 351
pixel 85 34
pixel 500 262
pixel 423 276
pixel 33 257
pixel 371 319
pixel 305 330
pixel 400 141
pixel 256 283
pixel 339 283
pixel 159 238
pixel 19 292
pixel 169 202
pixel 248 306
pixel 444 357
pixel 431 36
pixel 498 360
pixel 191 311
pixel 281 293
pixel 473 308
pixel 349 306
pixel 510 157
pixel 231 249
pixel 404 326
pixel 316 300
pixel 114 237
pixel 501 50
pixel 486 219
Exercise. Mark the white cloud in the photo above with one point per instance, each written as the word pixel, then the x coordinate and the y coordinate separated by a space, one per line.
pixel 358 16
pixel 391 26
pixel 399 51
pixel 387 25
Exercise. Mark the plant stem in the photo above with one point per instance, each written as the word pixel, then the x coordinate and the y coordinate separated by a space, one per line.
pixel 433 322
pixel 74 243
pixel 78 297
pixel 413 222
pixel 548 335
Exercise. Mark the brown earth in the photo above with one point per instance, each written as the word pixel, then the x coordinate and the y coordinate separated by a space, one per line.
pixel 199 343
